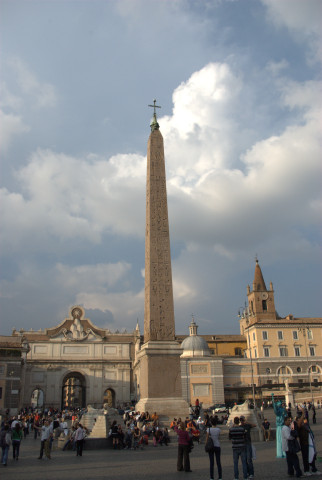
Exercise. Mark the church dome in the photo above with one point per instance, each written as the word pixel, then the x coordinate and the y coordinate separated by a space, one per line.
pixel 194 346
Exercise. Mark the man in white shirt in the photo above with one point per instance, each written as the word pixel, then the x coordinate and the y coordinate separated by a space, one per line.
pixel 291 458
pixel 44 440
pixel 79 439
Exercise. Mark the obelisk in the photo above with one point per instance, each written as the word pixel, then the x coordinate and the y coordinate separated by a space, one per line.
pixel 158 361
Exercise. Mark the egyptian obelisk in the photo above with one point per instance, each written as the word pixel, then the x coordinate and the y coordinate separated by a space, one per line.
pixel 158 361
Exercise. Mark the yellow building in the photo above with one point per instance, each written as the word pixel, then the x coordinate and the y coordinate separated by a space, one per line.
pixel 286 353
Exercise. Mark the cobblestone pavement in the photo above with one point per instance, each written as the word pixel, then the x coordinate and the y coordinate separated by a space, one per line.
pixel 153 463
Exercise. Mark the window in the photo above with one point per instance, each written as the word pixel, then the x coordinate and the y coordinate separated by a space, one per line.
pixel 283 352
pixel 309 334
pixel 300 383
pixel 238 351
pixel 314 369
pixel 312 351
pixel 254 338
pixel 266 351
pixel 297 351
pixel 299 369
pixel 269 381
pixel 264 305
pixel 280 335
pixel 268 370
pixel 295 335
pixel 284 371
pixel 255 350
pixel 265 335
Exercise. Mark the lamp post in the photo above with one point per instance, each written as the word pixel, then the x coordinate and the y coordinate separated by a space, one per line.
pixel 245 314
pixel 10 374
pixel 304 331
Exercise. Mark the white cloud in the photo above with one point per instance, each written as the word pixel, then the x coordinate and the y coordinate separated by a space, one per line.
pixel 65 198
pixel 302 18
pixel 42 94
pixel 11 126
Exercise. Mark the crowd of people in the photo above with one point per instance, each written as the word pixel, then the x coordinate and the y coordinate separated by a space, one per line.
pixel 141 428
pixel 46 426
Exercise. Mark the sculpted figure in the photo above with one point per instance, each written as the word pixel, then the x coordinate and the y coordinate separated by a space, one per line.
pixel 280 413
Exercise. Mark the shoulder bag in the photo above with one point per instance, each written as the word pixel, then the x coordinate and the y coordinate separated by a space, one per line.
pixel 209 447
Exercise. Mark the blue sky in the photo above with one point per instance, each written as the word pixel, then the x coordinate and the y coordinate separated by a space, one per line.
pixel 239 83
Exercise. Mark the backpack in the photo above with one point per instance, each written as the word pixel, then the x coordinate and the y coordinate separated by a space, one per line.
pixel 209 447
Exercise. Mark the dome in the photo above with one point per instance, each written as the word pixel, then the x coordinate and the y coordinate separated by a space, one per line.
pixel 194 346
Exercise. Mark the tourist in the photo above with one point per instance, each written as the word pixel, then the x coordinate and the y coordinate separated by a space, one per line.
pixel 155 419
pixel 214 432
pixel 5 442
pixel 249 448
pixel 71 439
pixel 136 437
pixel 313 414
pixel 191 412
pixel 120 434
pixel 266 426
pixel 308 448
pixel 237 436
pixel 114 434
pixel 173 423
pixel 44 440
pixel 79 439
pixel 183 460
pixel 16 440
pixel 165 437
pixel 128 437
pixel 197 407
pixel 288 435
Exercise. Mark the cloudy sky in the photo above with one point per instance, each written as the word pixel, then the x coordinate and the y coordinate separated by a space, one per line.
pixel 239 83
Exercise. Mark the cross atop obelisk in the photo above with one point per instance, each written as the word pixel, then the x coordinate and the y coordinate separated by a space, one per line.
pixel 154 122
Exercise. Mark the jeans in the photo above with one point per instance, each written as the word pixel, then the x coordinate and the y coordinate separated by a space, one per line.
pixel 240 452
pixel 183 461
pixel 79 447
pixel 293 463
pixel 249 459
pixel 15 448
pixel 44 445
pixel 305 457
pixel 212 462
pixel 4 457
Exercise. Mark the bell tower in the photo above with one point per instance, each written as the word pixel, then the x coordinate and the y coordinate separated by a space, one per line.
pixel 261 304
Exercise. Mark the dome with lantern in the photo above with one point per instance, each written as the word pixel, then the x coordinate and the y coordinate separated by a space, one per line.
pixel 194 345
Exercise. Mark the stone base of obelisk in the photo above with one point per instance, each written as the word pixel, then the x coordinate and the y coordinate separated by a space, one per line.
pixel 159 379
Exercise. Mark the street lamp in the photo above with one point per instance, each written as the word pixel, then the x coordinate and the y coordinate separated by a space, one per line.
pixel 245 314
pixel 304 331
pixel 10 374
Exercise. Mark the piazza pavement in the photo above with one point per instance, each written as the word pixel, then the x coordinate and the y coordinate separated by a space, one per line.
pixel 151 463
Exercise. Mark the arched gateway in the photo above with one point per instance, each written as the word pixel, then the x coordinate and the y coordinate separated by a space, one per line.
pixel 109 397
pixel 74 391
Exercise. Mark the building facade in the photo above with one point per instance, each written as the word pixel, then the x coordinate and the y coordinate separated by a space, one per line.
pixel 286 353
pixel 76 364
pixel 13 352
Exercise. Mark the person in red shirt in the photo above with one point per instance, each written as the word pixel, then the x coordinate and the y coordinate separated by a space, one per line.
pixel 184 439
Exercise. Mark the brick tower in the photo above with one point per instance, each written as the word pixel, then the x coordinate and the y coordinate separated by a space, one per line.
pixel 157 365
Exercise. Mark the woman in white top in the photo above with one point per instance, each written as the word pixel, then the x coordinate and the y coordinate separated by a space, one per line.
pixel 214 432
